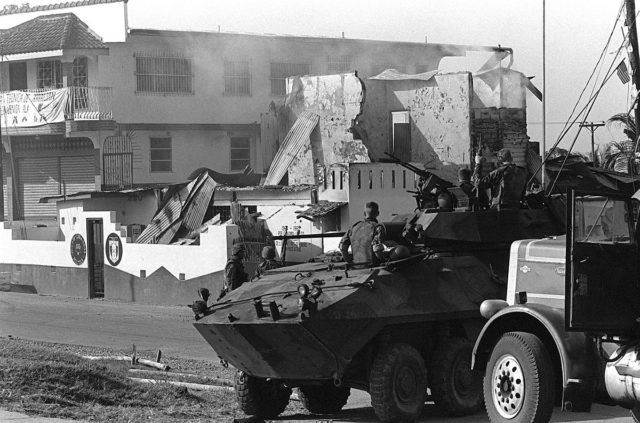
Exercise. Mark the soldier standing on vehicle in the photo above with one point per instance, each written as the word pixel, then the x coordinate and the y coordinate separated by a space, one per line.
pixel 507 182
pixel 362 237
pixel 464 182
pixel 268 260
pixel 234 274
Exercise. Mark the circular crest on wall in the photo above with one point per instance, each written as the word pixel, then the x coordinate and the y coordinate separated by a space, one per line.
pixel 113 249
pixel 78 249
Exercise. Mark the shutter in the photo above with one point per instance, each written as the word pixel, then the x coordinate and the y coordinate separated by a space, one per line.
pixel 5 169
pixel 37 178
pixel 77 174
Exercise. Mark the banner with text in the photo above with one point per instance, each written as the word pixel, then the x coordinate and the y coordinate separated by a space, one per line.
pixel 23 109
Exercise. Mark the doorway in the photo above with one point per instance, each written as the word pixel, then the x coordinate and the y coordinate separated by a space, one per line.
pixel 95 255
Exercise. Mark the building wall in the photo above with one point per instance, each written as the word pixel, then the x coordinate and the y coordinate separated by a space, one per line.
pixel 208 51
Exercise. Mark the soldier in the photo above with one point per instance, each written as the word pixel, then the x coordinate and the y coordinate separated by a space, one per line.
pixel 464 182
pixel 268 260
pixel 234 274
pixel 362 236
pixel 506 182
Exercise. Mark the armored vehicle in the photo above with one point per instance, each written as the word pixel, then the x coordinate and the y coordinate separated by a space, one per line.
pixel 394 329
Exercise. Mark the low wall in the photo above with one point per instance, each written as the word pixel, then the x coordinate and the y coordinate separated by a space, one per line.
pixel 145 273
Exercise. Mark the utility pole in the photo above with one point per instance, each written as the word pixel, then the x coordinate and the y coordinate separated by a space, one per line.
pixel 634 58
pixel 592 126
pixel 543 147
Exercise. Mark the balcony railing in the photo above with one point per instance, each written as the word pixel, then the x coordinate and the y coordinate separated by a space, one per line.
pixel 89 103
pixel 28 108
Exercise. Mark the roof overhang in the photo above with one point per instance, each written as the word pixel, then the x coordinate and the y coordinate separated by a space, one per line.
pixel 19 57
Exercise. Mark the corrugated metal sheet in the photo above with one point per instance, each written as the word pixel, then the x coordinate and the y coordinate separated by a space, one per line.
pixel 183 211
pixel 198 204
pixel 5 169
pixel 77 174
pixel 394 75
pixel 165 217
pixel 293 142
pixel 321 209
pixel 37 177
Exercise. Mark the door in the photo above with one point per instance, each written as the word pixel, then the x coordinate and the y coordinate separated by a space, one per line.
pixel 602 292
pixel 95 255
pixel 18 76
pixel 38 177
pixel 401 135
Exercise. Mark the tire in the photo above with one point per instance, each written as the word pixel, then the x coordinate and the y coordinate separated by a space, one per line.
pixel 455 388
pixel 259 397
pixel 398 384
pixel 519 382
pixel 324 399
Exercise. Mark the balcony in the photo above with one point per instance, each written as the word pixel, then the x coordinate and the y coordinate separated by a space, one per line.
pixel 55 111
pixel 88 103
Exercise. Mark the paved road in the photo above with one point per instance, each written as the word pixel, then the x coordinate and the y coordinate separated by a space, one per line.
pixel 119 325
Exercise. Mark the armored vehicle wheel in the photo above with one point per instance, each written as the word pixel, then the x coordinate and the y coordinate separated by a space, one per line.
pixel 455 388
pixel 259 397
pixel 398 384
pixel 325 399
pixel 518 383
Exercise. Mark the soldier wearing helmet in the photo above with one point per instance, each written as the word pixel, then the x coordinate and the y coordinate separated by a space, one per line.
pixel 268 261
pixel 234 274
pixel 362 237
pixel 506 182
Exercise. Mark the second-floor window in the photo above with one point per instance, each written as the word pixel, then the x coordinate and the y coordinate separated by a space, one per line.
pixel 163 75
pixel 281 71
pixel 339 64
pixel 79 72
pixel 160 154
pixel 237 78
pixel 49 74
pixel 240 152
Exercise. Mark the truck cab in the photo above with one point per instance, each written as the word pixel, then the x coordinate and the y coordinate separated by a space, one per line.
pixel 570 300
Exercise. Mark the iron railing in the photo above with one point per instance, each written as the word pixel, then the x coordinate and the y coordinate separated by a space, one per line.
pixel 82 103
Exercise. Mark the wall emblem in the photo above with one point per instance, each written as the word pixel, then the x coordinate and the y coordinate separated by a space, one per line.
pixel 78 249
pixel 113 249
pixel 525 269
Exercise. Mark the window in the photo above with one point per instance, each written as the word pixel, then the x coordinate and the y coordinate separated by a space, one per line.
pixel 79 72
pixel 237 78
pixel 240 153
pixel 281 71
pixel 602 220
pixel 339 64
pixel 49 74
pixel 164 75
pixel 160 153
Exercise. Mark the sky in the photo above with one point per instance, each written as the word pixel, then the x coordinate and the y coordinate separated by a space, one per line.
pixel 576 32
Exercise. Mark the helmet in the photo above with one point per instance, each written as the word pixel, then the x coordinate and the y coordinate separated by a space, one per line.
pixel 268 252
pixel 400 252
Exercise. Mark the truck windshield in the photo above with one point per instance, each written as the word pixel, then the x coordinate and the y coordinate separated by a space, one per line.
pixel 601 220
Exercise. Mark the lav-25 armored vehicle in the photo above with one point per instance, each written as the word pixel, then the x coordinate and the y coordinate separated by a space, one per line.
pixel 393 330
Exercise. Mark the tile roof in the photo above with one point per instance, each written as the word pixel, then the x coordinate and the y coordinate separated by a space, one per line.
pixel 13 9
pixel 49 32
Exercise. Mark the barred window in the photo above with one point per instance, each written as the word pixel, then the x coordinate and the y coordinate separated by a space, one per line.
pixel 240 153
pixel 160 154
pixel 281 71
pixel 49 74
pixel 237 78
pixel 79 72
pixel 339 64
pixel 171 75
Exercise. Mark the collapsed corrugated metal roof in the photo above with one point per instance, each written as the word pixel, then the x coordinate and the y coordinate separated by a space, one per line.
pixel 293 142
pixel 322 208
pixel 395 75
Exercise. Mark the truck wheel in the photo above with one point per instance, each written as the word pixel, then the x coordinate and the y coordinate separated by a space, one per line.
pixel 398 384
pixel 456 389
pixel 518 384
pixel 259 397
pixel 325 399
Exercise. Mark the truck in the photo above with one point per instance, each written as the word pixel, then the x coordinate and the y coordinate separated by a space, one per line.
pixel 568 332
